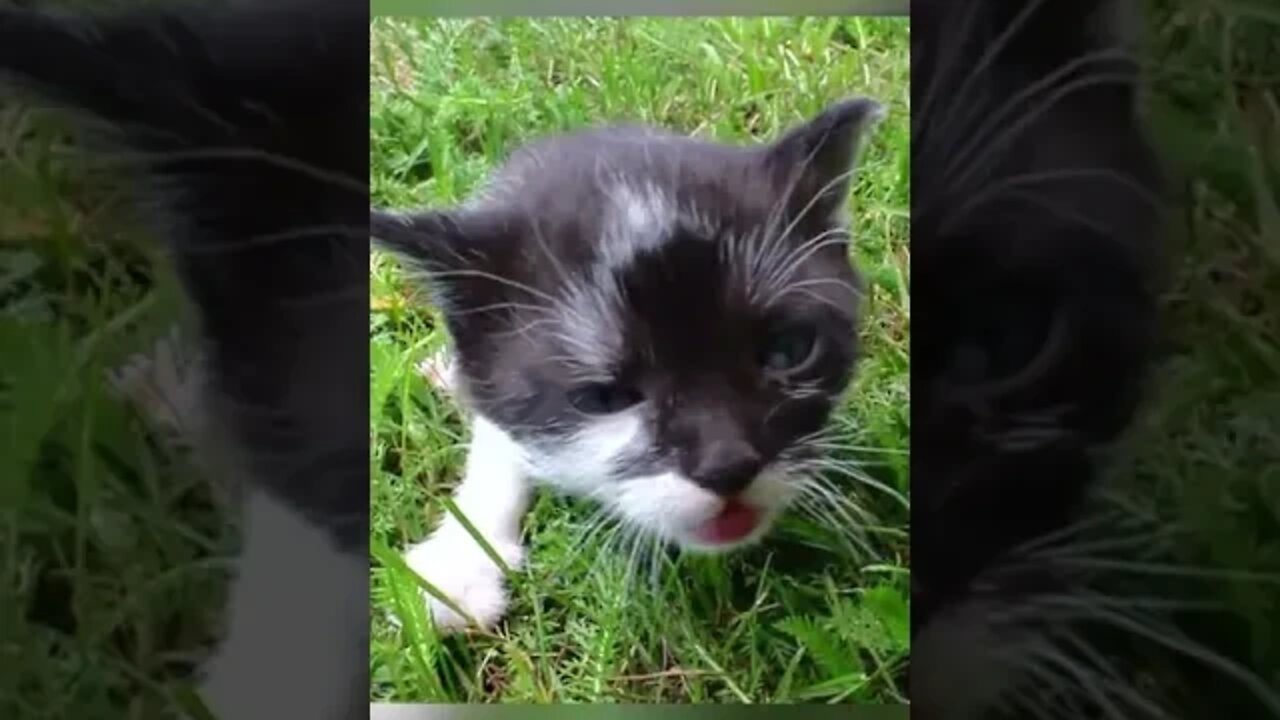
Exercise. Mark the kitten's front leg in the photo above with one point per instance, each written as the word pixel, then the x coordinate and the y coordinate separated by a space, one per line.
pixel 494 495
pixel 295 642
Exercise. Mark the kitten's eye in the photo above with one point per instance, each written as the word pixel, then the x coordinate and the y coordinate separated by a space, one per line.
pixel 789 349
pixel 603 398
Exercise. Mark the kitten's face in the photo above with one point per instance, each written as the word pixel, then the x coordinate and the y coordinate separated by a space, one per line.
pixel 1034 217
pixel 657 323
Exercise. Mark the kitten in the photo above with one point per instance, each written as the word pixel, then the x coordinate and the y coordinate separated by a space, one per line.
pixel 654 322
pixel 1036 209
pixel 245 130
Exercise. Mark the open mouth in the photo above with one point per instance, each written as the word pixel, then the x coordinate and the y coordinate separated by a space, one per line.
pixel 734 523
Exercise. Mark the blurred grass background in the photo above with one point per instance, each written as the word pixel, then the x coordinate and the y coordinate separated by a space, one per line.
pixel 1204 455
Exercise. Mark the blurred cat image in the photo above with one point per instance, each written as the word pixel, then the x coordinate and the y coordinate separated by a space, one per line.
pixel 229 125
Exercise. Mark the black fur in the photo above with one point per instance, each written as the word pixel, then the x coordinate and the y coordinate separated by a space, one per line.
pixel 1036 210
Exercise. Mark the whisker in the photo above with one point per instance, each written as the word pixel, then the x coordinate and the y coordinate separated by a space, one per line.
pixel 840 178
pixel 998 45
pixel 794 259
pixel 1171 639
pixel 850 447
pixel 1014 182
pixel 853 473
pixel 994 144
pixel 244 153
pixel 813 282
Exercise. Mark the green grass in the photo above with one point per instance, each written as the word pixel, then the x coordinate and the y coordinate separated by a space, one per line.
pixel 1204 455
pixel 110 577
pixel 806 617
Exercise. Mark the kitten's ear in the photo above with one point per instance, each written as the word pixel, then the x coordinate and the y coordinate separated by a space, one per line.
pixel 431 240
pixel 815 161
pixel 446 246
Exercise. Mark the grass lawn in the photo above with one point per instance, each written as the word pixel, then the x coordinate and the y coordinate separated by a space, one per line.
pixel 112 547
pixel 1204 455
pixel 820 613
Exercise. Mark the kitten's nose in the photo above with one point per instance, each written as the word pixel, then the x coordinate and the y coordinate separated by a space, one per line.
pixel 726 467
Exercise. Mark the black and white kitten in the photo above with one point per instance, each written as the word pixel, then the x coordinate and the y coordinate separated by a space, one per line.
pixel 1035 216
pixel 243 129
pixel 654 322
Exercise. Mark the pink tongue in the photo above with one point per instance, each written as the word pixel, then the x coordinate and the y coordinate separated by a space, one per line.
pixel 734 522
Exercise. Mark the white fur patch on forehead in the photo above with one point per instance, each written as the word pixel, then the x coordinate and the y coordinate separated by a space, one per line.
pixel 592 321
pixel 637 217
pixel 640 216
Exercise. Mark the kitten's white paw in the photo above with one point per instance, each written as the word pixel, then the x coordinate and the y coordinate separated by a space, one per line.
pixel 440 370
pixel 163 385
pixel 462 570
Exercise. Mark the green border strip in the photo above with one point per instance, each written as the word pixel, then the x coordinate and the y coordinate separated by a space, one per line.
pixel 516 8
